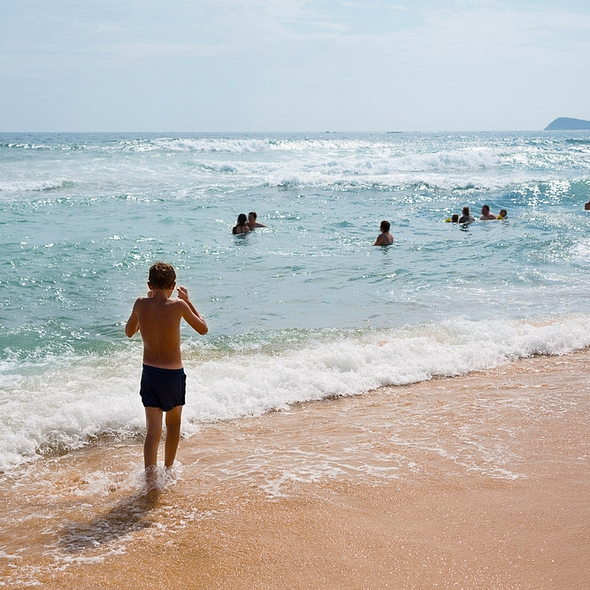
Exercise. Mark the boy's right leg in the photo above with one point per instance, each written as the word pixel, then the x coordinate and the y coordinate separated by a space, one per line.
pixel 153 422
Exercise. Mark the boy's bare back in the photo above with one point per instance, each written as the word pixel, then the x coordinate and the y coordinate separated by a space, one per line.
pixel 157 317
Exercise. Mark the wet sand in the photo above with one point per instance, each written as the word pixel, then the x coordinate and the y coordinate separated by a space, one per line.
pixel 480 481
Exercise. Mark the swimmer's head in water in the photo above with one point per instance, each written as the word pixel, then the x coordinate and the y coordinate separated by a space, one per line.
pixel 385 225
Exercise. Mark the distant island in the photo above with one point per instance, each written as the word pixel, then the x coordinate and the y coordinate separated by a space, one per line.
pixel 567 124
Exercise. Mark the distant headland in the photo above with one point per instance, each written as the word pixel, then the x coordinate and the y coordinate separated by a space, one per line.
pixel 567 124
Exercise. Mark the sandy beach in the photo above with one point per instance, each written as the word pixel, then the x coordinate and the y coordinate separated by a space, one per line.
pixel 491 491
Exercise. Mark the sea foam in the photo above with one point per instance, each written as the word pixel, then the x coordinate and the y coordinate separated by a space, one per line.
pixel 34 185
pixel 77 400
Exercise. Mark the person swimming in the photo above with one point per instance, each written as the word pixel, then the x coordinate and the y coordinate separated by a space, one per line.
pixel 384 238
pixel 252 220
pixel 466 216
pixel 485 214
pixel 242 226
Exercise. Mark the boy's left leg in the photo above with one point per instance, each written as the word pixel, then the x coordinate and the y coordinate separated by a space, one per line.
pixel 173 417
pixel 153 422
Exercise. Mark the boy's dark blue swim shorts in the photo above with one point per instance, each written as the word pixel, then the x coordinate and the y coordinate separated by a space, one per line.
pixel 162 388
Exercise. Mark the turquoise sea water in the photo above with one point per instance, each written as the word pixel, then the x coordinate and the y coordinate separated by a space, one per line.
pixel 303 309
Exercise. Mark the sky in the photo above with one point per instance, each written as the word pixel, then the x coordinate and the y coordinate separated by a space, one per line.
pixel 292 65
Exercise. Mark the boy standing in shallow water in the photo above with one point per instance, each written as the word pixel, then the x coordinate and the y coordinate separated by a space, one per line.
pixel 163 382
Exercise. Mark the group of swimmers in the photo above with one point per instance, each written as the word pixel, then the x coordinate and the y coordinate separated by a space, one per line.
pixel 466 216
pixel 245 225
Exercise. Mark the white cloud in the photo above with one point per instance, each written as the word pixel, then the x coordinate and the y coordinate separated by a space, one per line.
pixel 296 64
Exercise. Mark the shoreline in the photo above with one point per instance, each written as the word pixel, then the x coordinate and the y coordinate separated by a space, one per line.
pixel 479 481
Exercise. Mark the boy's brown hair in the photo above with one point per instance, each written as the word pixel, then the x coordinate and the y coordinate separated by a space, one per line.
pixel 162 275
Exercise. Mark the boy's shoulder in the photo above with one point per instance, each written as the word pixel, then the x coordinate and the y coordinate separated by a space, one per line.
pixel 151 301
pixel 140 301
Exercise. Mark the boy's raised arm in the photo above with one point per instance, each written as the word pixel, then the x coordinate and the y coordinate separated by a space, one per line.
pixel 193 318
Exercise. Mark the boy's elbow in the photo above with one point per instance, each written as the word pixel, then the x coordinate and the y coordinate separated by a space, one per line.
pixel 130 330
pixel 201 328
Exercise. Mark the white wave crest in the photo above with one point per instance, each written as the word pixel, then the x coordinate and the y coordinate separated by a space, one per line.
pixel 448 170
pixel 34 185
pixel 213 145
pixel 69 405
pixel 250 384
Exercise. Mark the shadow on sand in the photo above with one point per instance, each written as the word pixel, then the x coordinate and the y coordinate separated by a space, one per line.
pixel 127 516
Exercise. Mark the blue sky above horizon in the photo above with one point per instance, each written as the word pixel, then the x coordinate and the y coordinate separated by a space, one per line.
pixel 292 65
